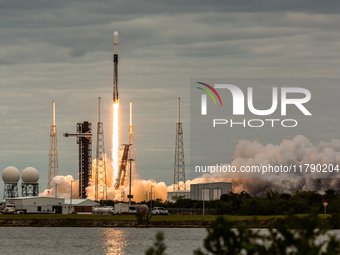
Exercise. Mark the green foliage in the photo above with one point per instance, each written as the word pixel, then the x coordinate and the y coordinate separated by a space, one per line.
pixel 159 246
pixel 293 235
pixel 274 203
pixel 143 218
pixel 176 198
pixel 285 196
pixel 334 220
pixel 223 240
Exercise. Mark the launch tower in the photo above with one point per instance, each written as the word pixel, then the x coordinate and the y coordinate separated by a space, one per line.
pixel 84 139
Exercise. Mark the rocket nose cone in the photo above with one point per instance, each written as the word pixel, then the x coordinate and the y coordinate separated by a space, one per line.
pixel 115 38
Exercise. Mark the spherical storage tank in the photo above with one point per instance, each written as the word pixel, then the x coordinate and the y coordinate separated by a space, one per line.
pixel 30 175
pixel 11 175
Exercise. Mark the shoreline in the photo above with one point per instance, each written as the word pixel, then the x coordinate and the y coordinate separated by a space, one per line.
pixel 128 221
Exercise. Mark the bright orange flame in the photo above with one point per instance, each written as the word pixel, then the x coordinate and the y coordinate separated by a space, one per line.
pixel 115 141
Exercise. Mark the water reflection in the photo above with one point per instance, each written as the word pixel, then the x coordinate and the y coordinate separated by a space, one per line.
pixel 116 241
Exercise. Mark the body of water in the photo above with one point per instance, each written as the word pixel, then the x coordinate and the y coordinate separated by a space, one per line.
pixel 65 240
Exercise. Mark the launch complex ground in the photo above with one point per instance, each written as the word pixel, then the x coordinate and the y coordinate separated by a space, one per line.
pixel 186 221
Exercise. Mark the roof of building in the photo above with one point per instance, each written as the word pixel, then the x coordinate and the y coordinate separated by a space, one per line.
pixel 37 197
pixel 179 191
pixel 82 202
pixel 206 183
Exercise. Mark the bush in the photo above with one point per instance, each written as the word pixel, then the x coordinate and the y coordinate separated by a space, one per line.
pixel 143 218
pixel 223 239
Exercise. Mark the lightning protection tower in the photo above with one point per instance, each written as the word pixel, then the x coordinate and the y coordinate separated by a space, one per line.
pixel 179 171
pixel 132 150
pixel 100 181
pixel 53 168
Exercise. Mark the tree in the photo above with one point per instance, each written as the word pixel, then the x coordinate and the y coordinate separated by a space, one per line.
pixel 292 235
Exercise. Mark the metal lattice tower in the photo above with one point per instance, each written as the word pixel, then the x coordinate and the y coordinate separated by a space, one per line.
pixel 179 171
pixel 11 190
pixel 53 167
pixel 84 139
pixel 100 181
pixel 30 189
pixel 132 150
pixel 122 168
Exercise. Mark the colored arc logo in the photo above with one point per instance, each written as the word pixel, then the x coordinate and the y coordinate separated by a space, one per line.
pixel 208 92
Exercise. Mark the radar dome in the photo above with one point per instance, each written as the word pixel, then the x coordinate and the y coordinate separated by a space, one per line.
pixel 30 175
pixel 11 175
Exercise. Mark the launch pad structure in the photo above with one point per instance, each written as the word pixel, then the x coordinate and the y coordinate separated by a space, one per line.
pixel 179 169
pixel 122 167
pixel 84 139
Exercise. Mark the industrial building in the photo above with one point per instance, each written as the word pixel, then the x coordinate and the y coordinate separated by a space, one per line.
pixel 185 194
pixel 209 191
pixel 39 204
pixel 200 191
pixel 81 205
pixel 51 204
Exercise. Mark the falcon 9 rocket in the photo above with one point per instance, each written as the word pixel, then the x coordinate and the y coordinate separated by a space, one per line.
pixel 115 117
pixel 115 66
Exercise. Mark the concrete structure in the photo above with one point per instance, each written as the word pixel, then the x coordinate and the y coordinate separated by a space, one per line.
pixel 80 205
pixel 209 191
pixel 179 193
pixel 39 204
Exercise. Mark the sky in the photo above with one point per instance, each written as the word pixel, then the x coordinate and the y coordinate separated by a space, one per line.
pixel 62 51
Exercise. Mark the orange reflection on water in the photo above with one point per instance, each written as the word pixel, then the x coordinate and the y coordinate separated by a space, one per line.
pixel 115 241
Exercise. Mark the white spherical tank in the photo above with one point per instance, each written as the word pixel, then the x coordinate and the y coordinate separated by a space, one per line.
pixel 30 175
pixel 10 175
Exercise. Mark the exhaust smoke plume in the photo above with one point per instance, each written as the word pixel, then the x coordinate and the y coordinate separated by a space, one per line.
pixel 296 151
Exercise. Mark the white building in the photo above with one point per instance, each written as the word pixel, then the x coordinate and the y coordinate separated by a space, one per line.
pixel 39 204
pixel 81 205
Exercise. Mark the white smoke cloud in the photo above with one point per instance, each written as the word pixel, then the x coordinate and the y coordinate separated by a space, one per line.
pixel 62 186
pixel 296 151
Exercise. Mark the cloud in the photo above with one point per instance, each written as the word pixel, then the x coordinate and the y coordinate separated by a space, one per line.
pixel 62 51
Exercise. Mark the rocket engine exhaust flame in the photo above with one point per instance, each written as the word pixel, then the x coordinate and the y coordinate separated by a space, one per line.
pixel 115 141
